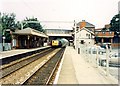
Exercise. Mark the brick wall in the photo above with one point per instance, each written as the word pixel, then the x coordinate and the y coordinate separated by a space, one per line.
pixel 82 24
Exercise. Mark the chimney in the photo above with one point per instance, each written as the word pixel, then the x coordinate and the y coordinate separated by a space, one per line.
pixel 82 24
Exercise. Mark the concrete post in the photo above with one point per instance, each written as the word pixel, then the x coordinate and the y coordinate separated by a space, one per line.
pixel 75 34
pixel 107 61
pixel 97 59
pixel 90 54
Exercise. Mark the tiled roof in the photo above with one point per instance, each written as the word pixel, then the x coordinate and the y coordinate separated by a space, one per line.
pixel 87 24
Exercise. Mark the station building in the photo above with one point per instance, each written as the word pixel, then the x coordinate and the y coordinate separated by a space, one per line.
pixel 56 30
pixel 59 33
pixel 28 38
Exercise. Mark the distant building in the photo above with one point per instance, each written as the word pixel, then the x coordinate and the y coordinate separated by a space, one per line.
pixel 104 37
pixel 59 33
pixel 107 26
pixel 59 29
pixel 85 24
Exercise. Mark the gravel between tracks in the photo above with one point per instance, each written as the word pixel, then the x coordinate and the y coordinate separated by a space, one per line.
pixel 21 63
pixel 44 75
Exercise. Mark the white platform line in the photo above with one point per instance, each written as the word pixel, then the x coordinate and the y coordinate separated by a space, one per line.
pixel 59 69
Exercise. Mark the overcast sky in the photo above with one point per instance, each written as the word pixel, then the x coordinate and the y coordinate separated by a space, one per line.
pixel 97 12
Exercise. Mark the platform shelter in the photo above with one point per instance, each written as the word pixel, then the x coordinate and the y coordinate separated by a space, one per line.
pixel 28 38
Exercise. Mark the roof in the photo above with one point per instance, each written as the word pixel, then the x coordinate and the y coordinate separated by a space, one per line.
pixel 87 30
pixel 88 25
pixel 58 25
pixel 98 29
pixel 30 31
pixel 60 29
pixel 62 35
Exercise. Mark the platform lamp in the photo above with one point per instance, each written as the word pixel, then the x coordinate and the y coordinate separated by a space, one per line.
pixel 74 34
pixel 3 38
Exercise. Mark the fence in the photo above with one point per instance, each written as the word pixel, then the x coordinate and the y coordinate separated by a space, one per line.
pixel 7 46
pixel 98 57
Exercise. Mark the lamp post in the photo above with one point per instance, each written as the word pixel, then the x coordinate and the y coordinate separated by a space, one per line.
pixel 3 39
pixel 74 34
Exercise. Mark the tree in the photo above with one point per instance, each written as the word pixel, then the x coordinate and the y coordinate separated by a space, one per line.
pixel 115 24
pixel 8 23
pixel 33 23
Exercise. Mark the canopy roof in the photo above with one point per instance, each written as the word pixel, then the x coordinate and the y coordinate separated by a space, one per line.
pixel 30 31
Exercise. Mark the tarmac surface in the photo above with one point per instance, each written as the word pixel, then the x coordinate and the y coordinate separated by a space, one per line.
pixel 75 70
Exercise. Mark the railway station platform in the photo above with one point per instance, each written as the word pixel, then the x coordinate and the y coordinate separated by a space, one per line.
pixel 9 56
pixel 75 70
pixel 6 54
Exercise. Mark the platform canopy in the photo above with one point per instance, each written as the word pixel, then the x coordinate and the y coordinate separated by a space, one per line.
pixel 30 31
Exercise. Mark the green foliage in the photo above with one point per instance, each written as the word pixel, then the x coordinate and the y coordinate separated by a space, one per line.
pixel 115 23
pixel 104 29
pixel 8 21
pixel 33 23
pixel 8 37
pixel 7 24
pixel 18 25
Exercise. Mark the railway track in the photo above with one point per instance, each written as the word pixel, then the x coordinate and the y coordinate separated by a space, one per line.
pixel 44 75
pixel 20 72
pixel 5 71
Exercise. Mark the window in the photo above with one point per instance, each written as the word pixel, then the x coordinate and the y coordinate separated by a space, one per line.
pixel 103 32
pixel 82 42
pixel 110 32
pixel 89 36
pixel 96 32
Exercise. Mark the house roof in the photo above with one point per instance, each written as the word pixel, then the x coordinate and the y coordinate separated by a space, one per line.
pixel 87 30
pixel 88 25
pixel 98 29
pixel 30 31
